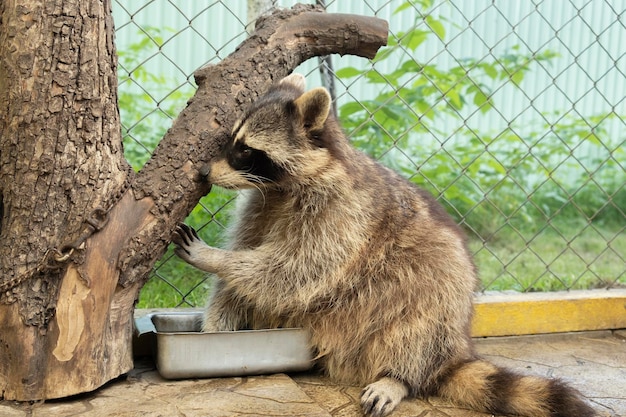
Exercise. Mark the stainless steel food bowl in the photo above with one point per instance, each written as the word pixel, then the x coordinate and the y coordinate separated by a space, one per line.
pixel 182 351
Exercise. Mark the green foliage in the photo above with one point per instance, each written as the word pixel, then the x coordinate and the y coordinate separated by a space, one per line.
pixel 485 179
pixel 415 94
pixel 569 170
pixel 176 283
pixel 148 102
pixel 541 202
pixel 510 185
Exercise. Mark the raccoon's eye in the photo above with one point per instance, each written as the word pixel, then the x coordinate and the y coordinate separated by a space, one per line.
pixel 241 156
pixel 242 151
pixel 246 152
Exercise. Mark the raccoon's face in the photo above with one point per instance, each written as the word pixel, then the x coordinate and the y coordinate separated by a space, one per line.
pixel 278 139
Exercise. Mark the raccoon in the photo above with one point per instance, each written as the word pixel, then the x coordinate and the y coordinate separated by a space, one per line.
pixel 327 239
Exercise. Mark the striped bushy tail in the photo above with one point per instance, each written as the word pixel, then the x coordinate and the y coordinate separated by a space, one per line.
pixel 482 386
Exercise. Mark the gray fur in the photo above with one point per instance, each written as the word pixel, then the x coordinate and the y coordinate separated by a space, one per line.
pixel 370 264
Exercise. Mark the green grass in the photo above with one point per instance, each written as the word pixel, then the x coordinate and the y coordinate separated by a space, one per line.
pixel 563 254
pixel 173 282
pixel 569 255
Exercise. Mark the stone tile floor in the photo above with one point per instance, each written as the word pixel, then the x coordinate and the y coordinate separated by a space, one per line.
pixel 593 362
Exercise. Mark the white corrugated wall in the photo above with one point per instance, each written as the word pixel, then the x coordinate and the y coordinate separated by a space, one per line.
pixel 588 77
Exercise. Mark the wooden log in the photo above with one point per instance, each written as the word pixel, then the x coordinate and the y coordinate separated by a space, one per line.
pixel 80 232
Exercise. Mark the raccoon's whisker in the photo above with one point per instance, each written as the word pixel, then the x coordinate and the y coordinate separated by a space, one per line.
pixel 258 183
pixel 259 189
pixel 261 181
pixel 258 179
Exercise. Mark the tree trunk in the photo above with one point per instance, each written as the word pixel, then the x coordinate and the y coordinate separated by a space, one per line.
pixel 80 231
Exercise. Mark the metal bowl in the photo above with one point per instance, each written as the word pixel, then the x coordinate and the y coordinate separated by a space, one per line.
pixel 182 351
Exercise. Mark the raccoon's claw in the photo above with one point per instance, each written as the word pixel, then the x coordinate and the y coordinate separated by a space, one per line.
pixel 191 249
pixel 381 397
pixel 184 237
pixel 375 406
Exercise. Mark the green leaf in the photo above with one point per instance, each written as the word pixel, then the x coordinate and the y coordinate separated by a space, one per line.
pixel 497 166
pixel 517 76
pixel 375 77
pixel 490 70
pixel 402 7
pixel 425 110
pixel 436 26
pixel 348 72
pixel 454 98
pixel 350 108
pixel 414 39
pixel 390 112
pixel 410 66
pixel 383 54
pixel 481 100
pixel 593 139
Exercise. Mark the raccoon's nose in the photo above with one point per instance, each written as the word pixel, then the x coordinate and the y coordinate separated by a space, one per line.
pixel 204 171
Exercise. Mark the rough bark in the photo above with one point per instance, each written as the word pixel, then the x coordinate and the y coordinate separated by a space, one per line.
pixel 65 314
pixel 60 159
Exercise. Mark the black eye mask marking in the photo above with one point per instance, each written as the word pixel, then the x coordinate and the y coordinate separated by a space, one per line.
pixel 252 161
pixel 240 156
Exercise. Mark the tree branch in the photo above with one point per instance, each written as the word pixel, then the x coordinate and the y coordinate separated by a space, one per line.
pixel 66 328
pixel 280 43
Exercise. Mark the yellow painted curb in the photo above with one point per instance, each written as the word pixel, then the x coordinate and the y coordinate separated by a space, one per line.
pixel 510 314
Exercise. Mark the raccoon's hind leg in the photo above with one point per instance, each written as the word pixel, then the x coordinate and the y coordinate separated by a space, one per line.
pixel 224 312
pixel 381 397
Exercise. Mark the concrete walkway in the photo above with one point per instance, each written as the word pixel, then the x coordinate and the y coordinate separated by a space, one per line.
pixel 593 362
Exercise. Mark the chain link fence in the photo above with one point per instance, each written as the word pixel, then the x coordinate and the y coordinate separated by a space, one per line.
pixel 512 113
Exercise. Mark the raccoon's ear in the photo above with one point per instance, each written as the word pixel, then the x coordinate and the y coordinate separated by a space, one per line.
pixel 313 107
pixel 294 80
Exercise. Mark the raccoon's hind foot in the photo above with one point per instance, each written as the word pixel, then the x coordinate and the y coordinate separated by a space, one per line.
pixel 381 397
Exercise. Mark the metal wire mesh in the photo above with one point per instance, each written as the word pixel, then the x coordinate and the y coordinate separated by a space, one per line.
pixel 512 113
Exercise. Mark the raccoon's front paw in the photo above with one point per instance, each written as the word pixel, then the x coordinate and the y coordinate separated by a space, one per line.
pixel 381 397
pixel 188 244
